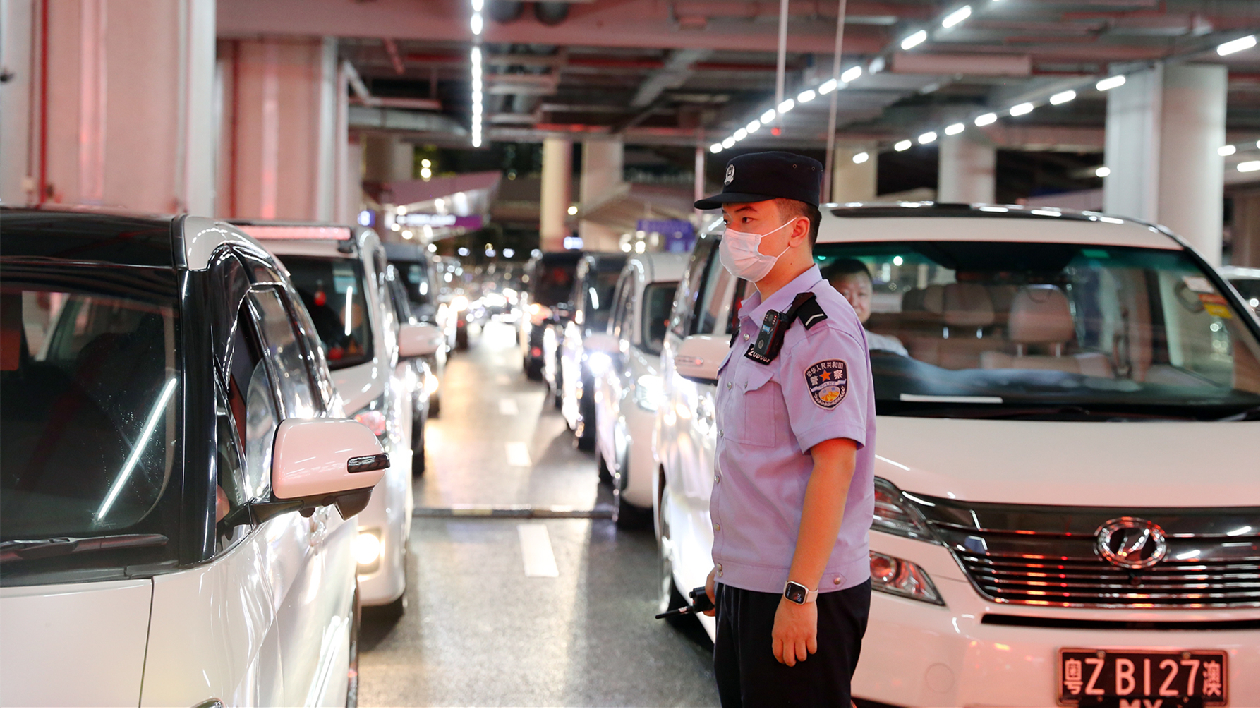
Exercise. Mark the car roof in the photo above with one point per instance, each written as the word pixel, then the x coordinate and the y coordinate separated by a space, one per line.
pixel 928 221
pixel 89 236
pixel 660 267
pixel 293 238
pixel 1239 273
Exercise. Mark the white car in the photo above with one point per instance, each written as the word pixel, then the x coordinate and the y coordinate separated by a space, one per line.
pixel 626 365
pixel 340 274
pixel 1067 510
pixel 1247 282
pixel 174 472
pixel 592 303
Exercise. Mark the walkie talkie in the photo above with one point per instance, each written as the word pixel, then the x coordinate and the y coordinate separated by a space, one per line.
pixel 699 603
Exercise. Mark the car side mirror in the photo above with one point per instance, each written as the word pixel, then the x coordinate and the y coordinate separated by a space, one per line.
pixel 418 340
pixel 321 462
pixel 700 356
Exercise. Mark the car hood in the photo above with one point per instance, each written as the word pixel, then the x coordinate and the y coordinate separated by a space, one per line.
pixel 359 385
pixel 1131 464
pixel 74 645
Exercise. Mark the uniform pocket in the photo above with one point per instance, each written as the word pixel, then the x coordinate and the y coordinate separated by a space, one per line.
pixel 764 413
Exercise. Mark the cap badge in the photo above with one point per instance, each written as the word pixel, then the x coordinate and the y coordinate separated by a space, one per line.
pixel 730 175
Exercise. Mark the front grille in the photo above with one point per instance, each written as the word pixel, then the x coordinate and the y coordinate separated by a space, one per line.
pixel 1047 556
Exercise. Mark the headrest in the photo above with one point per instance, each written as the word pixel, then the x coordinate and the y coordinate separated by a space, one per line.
pixel 912 301
pixel 1040 314
pixel 960 304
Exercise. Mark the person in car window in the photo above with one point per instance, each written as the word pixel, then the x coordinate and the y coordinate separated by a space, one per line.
pixel 851 278
pixel 793 487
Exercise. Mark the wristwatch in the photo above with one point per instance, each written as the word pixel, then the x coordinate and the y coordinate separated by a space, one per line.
pixel 801 595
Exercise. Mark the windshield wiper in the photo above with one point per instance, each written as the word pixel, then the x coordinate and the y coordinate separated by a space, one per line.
pixel 1252 413
pixel 23 549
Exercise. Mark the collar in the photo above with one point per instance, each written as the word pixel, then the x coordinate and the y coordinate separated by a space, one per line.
pixel 754 309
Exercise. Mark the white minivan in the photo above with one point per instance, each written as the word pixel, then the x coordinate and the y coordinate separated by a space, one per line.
pixel 625 363
pixel 340 273
pixel 175 472
pixel 1067 495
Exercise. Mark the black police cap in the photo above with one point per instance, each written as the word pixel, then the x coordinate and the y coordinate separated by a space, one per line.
pixel 760 176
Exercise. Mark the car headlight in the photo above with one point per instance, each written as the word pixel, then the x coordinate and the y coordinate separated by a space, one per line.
pixel 459 303
pixel 896 515
pixel 897 576
pixel 598 363
pixel 649 392
pixel 430 383
pixel 367 550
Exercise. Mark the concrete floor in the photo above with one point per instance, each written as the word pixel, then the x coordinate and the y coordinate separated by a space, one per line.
pixel 487 623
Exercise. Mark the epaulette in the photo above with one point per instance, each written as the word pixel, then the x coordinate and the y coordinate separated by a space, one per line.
pixel 775 327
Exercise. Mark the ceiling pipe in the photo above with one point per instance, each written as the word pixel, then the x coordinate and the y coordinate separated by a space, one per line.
pixel 831 116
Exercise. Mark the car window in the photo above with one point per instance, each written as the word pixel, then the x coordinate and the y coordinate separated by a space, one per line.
pixel 253 405
pixel 685 298
pixel 597 298
pixel 618 320
pixel 90 416
pixel 657 300
pixel 231 496
pixel 713 307
pixel 398 296
pixel 552 281
pixel 334 291
pixel 276 325
pixel 1014 324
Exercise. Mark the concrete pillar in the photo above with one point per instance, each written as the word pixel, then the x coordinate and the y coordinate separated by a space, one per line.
pixel 386 158
pixel 602 162
pixel 967 167
pixel 351 184
pixel 852 181
pixel 18 26
pixel 285 109
pixel 1245 231
pixel 125 116
pixel 1163 129
pixel 557 176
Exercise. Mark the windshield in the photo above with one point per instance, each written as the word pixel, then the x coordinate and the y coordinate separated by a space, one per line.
pixel 333 291
pixel 90 416
pixel 415 277
pixel 600 286
pixel 658 300
pixel 1249 288
pixel 553 281
pixel 981 327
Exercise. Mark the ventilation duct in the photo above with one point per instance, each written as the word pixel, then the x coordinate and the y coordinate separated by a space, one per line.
pixel 551 13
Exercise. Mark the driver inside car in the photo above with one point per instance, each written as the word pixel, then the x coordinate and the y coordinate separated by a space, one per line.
pixel 852 279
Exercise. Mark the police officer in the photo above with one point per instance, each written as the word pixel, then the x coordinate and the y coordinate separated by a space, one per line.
pixel 792 495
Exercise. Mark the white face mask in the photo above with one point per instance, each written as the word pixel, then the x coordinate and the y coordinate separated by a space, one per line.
pixel 740 254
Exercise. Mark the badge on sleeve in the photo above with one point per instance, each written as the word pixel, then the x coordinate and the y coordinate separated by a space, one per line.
pixel 828 382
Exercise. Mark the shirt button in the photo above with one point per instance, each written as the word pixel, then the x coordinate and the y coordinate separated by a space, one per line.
pixel 717 478
pixel 836 581
pixel 717 527
pixel 728 384
pixel 720 434
pixel 745 337
pixel 719 568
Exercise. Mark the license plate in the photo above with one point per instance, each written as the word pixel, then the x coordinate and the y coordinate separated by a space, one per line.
pixel 1095 678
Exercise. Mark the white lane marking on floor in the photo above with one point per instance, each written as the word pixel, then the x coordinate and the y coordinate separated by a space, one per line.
pixel 507 406
pixel 502 379
pixel 540 561
pixel 518 455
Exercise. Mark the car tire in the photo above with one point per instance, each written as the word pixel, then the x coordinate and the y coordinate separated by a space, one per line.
pixel 533 369
pixel 668 597
pixel 435 405
pixel 417 448
pixel 461 340
pixel 584 431
pixel 356 621
pixel 605 473
pixel 625 514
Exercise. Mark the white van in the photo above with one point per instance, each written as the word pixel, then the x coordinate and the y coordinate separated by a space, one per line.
pixel 1067 503
pixel 340 274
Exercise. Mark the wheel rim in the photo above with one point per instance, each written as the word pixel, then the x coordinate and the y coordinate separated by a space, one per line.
pixel 666 566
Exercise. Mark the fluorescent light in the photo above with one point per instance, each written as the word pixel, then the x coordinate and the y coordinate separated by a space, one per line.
pixel 903 146
pixel 1022 109
pixel 740 134
pixel 986 119
pixel 806 96
pixel 715 148
pixel 728 143
pixel 1226 150
pixel 476 55
pixel 753 127
pixel 914 40
pixel 1253 166
pixel 877 65
pixel 995 209
pixel 861 157
pixel 1236 45
pixel 786 106
pixel 955 129
pixel 1111 220
pixel 852 74
pixel 1045 212
pixel 767 116
pixel 827 87
pixel 927 138
pixel 476 24
pixel 1109 83
pixel 138 449
pixel 1063 97
pixel 477 5
pixel 956 16
pixel 1103 171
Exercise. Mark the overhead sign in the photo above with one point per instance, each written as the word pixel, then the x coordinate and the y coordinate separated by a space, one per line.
pixel 677 236
pixel 470 223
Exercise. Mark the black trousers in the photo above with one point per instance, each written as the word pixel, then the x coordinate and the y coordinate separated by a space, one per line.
pixel 748 675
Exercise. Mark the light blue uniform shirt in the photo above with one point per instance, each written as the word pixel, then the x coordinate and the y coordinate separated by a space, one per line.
pixel 768 417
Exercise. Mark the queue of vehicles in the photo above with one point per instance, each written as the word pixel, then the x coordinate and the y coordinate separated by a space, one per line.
pixel 1066 501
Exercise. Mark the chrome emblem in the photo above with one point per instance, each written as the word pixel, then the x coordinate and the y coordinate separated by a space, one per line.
pixel 730 175
pixel 1131 543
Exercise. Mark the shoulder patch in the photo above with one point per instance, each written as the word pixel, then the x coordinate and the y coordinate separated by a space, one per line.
pixel 828 382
